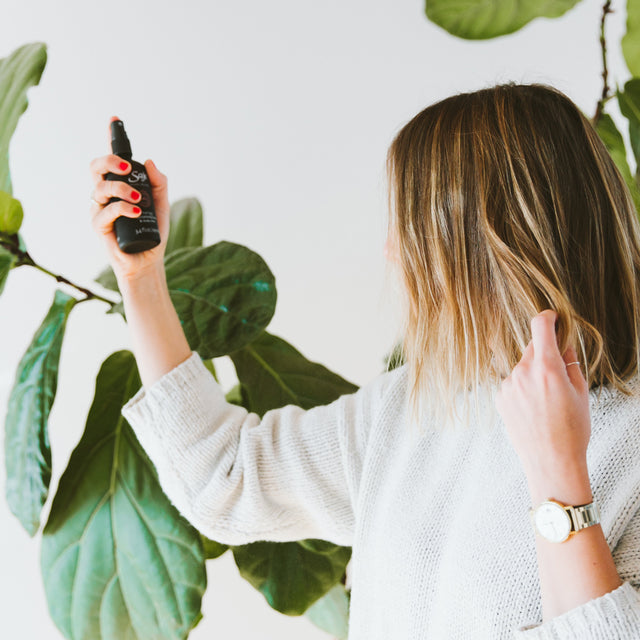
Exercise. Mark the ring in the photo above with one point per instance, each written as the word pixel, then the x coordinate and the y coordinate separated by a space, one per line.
pixel 96 202
pixel 570 363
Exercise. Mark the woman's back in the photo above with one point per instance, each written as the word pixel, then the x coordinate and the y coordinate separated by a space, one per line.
pixel 442 542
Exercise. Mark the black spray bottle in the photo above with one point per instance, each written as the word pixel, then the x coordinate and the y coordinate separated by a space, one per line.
pixel 133 234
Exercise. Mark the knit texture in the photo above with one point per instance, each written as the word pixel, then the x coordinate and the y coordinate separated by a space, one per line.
pixel 442 541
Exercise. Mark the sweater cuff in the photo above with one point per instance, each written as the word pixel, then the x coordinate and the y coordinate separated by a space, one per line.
pixel 614 615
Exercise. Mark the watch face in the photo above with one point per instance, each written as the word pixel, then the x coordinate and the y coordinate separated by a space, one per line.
pixel 552 522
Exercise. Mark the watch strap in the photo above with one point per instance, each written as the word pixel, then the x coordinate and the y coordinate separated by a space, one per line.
pixel 583 516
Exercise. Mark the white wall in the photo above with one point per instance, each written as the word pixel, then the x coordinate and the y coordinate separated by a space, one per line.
pixel 277 115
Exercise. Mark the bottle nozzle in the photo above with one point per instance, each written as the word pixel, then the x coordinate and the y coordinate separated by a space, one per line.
pixel 120 145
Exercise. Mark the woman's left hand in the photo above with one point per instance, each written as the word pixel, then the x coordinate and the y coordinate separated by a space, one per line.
pixel 544 403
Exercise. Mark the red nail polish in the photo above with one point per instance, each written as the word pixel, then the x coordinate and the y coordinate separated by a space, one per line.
pixel 123 166
pixel 135 195
pixel 137 209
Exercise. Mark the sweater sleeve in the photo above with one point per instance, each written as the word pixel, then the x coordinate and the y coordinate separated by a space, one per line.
pixel 237 478
pixel 613 616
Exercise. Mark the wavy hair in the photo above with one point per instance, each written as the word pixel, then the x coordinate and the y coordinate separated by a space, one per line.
pixel 504 202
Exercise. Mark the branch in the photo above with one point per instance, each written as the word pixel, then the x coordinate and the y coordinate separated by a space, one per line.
pixel 606 9
pixel 11 244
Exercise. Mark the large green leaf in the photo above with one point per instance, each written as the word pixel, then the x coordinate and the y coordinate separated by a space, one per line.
pixel 614 142
pixel 11 214
pixel 19 71
pixel 185 227
pixel 225 296
pixel 331 612
pixel 118 561
pixel 481 19
pixel 631 39
pixel 27 450
pixel 185 230
pixel 274 374
pixel 7 262
pixel 292 575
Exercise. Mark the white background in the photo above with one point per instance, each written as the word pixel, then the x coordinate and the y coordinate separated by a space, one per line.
pixel 277 116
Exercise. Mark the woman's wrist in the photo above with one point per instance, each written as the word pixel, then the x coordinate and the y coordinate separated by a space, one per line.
pixel 568 484
pixel 143 280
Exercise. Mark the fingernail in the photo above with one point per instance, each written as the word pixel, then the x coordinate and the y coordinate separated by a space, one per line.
pixel 123 166
pixel 137 209
pixel 135 195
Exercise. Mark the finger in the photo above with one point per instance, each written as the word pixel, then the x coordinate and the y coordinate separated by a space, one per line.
pixel 107 189
pixel 111 163
pixel 527 354
pixel 575 370
pixel 103 217
pixel 543 336
pixel 158 181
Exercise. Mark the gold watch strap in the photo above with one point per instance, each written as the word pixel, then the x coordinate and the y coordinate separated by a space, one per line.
pixel 584 515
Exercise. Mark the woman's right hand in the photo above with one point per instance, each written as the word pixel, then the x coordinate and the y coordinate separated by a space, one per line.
pixel 127 266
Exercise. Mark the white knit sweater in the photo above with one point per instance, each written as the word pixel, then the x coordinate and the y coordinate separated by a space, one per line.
pixel 443 547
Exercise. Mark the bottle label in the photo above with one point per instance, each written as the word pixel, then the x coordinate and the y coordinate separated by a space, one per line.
pixel 137 177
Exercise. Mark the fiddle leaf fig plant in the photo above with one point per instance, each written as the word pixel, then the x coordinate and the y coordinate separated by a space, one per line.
pixel 117 559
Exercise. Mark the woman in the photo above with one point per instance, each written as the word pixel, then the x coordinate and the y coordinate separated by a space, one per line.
pixel 507 216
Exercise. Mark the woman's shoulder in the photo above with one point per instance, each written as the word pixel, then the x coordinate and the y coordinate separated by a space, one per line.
pixel 382 388
pixel 391 383
pixel 607 399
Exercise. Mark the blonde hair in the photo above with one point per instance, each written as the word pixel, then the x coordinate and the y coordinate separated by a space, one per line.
pixel 504 202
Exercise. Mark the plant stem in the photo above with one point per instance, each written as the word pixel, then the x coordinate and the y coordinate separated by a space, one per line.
pixel 11 244
pixel 606 9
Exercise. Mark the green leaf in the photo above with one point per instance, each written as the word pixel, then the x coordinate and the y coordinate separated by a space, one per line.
pixel 185 230
pixel 238 395
pixel 614 142
pixel 482 19
pixel 275 374
pixel 209 365
pixel 7 262
pixel 19 71
pixel 225 295
pixel 27 450
pixel 185 226
pixel 395 358
pixel 107 278
pixel 629 103
pixel 118 561
pixel 212 549
pixel 290 576
pixel 631 39
pixel 331 612
pixel 21 243
pixel 11 214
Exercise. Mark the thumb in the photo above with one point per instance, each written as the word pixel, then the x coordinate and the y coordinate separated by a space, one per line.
pixel 575 370
pixel 158 180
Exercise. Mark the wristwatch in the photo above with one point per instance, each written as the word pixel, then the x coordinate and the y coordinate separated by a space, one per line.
pixel 557 522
